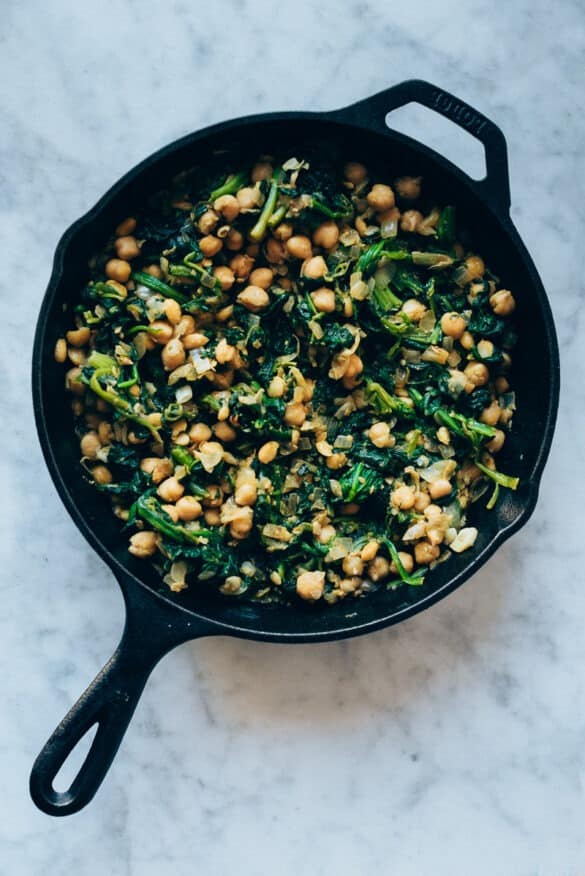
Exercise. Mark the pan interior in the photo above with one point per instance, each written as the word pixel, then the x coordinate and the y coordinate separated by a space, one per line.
pixel 533 375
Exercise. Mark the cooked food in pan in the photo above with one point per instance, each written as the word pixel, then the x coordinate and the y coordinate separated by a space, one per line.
pixel 292 382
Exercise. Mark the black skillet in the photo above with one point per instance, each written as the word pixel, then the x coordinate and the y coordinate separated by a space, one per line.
pixel 157 621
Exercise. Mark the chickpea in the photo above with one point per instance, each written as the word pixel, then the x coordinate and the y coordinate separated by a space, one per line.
pixel 188 508
pixel 228 206
pixel 453 325
pixel 326 533
pixel 119 270
pixel 126 227
pixel 254 298
pixel 143 544
pixel 299 247
pixel 379 434
pixel 173 354
pixel 157 468
pixel 406 560
pixel 225 432
pixel 355 366
pixel 89 445
pixel 425 553
pixel 225 313
pixel 241 526
pixel 79 337
pixel 105 432
pixel 408 187
pixel 225 276
pixel 127 248
pixel 491 415
pixel 234 240
pixel 241 265
pixel 171 489
pixel 212 517
pixel 497 442
pixel 380 197
pixel 411 220
pixel 161 332
pixel 224 352
pixel 310 585
pixel 171 510
pixel 295 414
pixel 355 172
pixel 268 452
pixel 154 271
pixel 439 488
pixel 186 325
pixel 467 340
pixel 326 235
pixel 207 222
pixel 421 500
pixel 324 300
pixel 261 170
pixel 473 269
pixel 402 498
pixel 195 340
pixel 314 268
pixel 213 497
pixel 283 232
pixel 246 494
pixel 210 245
pixel 172 311
pixel 248 198
pixel 101 474
pixel 413 309
pixel 60 353
pixel 262 277
pixel 352 565
pixel 477 373
pixel 379 568
pixel 276 387
pixel 76 356
pixel 275 251
pixel 502 302
pixel 369 551
pixel 336 461
pixel 73 382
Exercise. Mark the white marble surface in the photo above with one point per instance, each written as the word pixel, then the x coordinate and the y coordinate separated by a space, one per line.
pixel 454 744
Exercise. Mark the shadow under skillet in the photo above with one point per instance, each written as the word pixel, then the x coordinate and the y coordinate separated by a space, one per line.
pixel 343 682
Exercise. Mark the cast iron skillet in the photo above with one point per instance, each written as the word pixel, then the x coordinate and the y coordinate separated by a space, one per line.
pixel 156 620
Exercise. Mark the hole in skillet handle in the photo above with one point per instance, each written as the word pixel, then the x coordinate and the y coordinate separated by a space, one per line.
pixel 372 113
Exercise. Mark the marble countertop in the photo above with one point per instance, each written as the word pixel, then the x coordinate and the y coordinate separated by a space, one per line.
pixel 453 744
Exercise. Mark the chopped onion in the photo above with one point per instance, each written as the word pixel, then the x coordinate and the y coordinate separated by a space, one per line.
pixel 278 533
pixel 343 442
pixel 202 363
pixel 464 539
pixel 183 394
pixel 316 329
pixel 339 549
pixel 175 579
pixel 350 237
pixel 335 488
pixel 438 470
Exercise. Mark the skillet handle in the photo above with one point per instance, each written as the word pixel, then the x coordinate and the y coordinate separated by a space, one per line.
pixel 109 702
pixel 371 113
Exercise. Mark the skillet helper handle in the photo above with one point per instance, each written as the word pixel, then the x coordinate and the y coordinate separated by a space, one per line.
pixel 372 112
pixel 109 702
